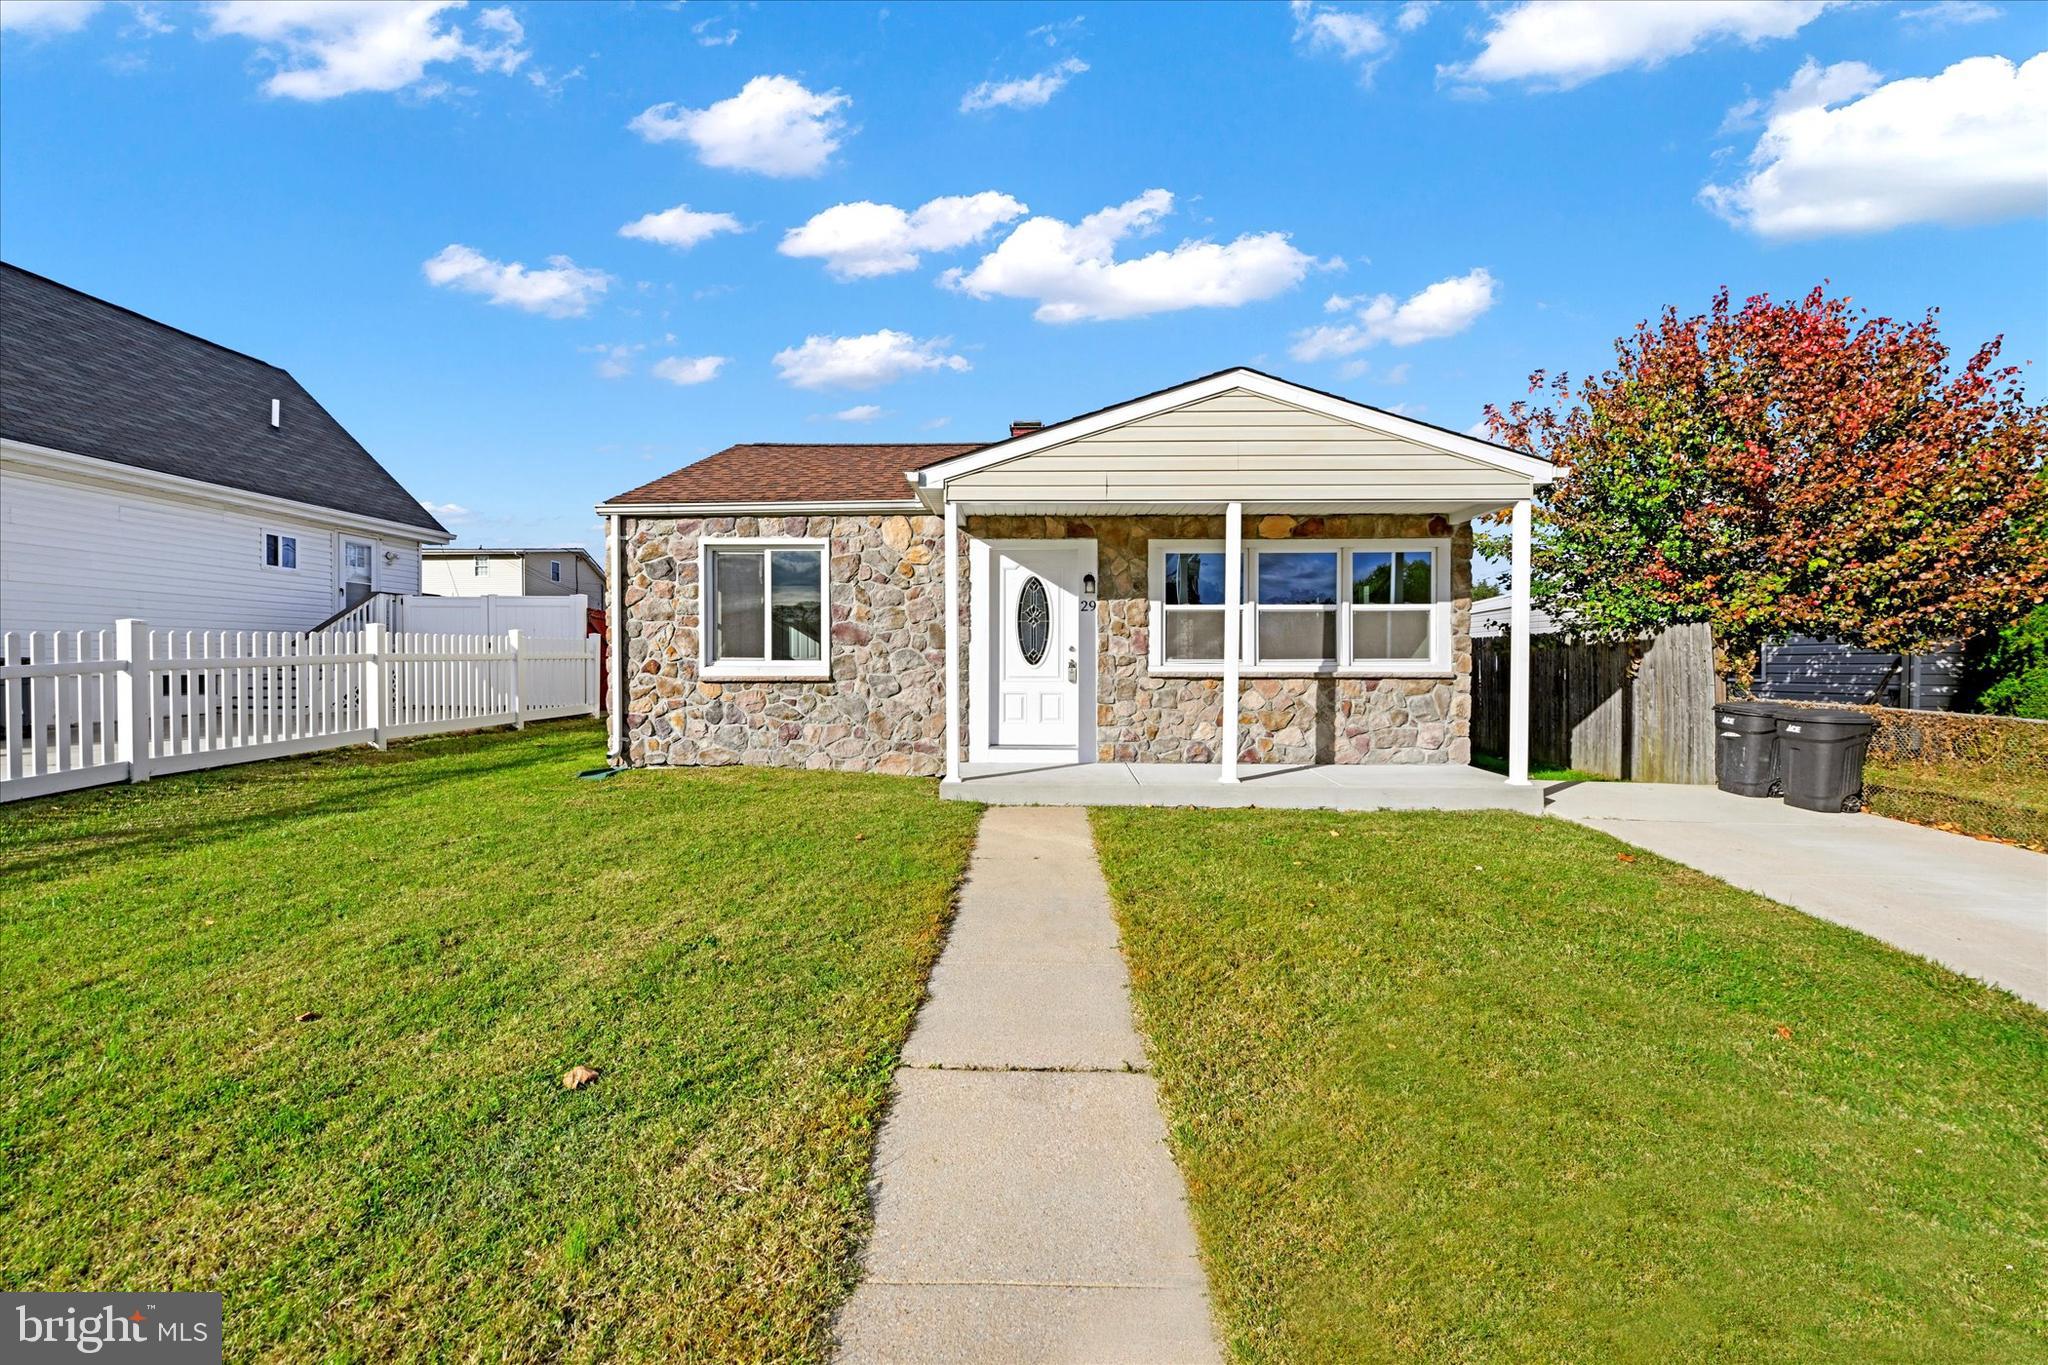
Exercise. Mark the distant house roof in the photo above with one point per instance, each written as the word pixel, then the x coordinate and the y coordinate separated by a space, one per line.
pixel 88 377
pixel 471 551
pixel 796 473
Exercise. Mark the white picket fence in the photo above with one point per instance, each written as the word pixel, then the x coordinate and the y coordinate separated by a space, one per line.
pixel 83 708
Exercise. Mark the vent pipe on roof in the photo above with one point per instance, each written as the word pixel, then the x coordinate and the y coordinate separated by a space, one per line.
pixel 1024 428
pixel 276 413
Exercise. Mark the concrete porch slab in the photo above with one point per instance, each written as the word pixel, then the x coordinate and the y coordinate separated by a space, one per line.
pixel 1322 786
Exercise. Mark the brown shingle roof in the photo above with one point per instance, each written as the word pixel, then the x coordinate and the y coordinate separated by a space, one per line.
pixel 797 473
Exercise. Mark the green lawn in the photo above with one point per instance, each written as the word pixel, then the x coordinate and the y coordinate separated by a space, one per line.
pixel 2004 801
pixel 1478 1087
pixel 293 1031
pixel 1498 763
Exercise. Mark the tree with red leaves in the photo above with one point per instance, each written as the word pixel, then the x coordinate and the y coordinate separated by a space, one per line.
pixel 1789 468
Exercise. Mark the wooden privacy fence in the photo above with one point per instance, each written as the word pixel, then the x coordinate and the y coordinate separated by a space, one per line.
pixel 82 708
pixel 1642 710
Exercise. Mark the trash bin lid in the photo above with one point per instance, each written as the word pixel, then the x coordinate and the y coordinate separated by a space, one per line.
pixel 1825 715
pixel 1748 708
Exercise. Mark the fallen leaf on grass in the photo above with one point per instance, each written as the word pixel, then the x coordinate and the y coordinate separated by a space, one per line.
pixel 576 1077
pixel 308 1017
pixel 1783 1032
pixel 1624 857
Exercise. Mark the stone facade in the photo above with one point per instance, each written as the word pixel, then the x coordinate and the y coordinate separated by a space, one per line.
pixel 1140 718
pixel 883 708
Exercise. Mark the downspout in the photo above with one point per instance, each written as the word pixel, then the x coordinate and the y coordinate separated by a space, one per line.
pixel 615 636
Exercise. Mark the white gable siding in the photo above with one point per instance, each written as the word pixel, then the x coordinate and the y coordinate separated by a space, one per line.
pixel 1245 447
pixel 577 576
pixel 77 555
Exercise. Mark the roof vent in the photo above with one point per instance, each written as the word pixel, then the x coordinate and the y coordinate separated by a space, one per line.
pixel 1024 428
pixel 276 413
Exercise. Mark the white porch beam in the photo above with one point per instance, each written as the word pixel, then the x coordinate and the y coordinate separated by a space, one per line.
pixel 1518 646
pixel 1233 629
pixel 951 550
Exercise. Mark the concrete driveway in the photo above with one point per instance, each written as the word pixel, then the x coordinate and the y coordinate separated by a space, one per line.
pixel 1980 908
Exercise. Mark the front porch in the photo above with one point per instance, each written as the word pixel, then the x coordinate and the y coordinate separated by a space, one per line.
pixel 1288 786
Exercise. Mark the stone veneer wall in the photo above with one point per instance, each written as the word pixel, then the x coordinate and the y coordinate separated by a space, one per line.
pixel 1140 718
pixel 883 709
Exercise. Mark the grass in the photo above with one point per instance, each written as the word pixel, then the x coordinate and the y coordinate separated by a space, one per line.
pixel 293 1031
pixel 1498 763
pixel 1488 1087
pixel 2002 802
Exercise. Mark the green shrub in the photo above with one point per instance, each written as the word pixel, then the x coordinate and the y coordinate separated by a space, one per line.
pixel 2009 677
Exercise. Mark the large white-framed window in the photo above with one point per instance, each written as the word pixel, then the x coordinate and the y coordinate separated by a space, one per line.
pixel 1366 608
pixel 765 607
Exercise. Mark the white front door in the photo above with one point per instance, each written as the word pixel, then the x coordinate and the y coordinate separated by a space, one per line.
pixel 1043 648
pixel 355 571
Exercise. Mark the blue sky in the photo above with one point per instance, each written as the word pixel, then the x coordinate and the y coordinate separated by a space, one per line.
pixel 1412 204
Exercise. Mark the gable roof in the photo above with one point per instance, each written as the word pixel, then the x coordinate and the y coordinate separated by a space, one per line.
pixel 507 551
pixel 796 473
pixel 87 377
pixel 932 477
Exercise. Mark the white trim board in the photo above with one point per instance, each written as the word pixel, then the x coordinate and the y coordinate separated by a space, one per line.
pixel 930 481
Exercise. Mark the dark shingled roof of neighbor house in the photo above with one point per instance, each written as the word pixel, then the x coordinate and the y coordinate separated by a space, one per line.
pixel 797 473
pixel 88 377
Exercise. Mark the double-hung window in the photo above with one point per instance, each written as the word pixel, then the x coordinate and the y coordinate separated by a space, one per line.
pixel 1358 607
pixel 280 551
pixel 554 571
pixel 765 608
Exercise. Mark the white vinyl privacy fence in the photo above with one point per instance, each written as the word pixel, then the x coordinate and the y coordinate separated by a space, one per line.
pixel 82 708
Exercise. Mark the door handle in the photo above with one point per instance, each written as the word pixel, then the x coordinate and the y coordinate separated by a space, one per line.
pixel 1073 671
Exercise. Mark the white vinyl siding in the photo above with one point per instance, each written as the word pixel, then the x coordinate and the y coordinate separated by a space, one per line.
pixel 1240 447
pixel 456 576
pixel 77 555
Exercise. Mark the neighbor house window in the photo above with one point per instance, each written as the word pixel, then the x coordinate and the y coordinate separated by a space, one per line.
pixel 766 608
pixel 481 565
pixel 1309 606
pixel 280 551
pixel 554 571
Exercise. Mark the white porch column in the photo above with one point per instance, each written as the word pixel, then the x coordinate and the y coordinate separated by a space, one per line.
pixel 1518 646
pixel 1233 629
pixel 951 550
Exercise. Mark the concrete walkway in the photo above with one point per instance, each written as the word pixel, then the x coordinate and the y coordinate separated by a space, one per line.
pixel 1978 907
pixel 1026 1206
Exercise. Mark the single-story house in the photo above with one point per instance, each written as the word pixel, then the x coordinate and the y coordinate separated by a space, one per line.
pixel 1233 570
pixel 147 472
pixel 456 571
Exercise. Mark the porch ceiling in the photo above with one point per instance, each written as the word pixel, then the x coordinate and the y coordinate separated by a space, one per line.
pixel 1454 512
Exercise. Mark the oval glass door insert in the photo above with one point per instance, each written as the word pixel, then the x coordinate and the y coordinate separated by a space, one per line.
pixel 1034 619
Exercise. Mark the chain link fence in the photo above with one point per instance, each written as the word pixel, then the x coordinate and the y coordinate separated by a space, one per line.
pixel 1983 775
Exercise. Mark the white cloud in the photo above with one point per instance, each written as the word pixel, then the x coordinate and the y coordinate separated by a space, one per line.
pixel 863 362
pixel 46 16
pixel 859 412
pixel 710 35
pixel 863 239
pixel 327 48
pixel 774 126
pixel 614 362
pixel 681 227
pixel 1558 44
pixel 1812 84
pixel 934 423
pixel 685 370
pixel 1324 28
pixel 1414 15
pixel 1028 92
pixel 1949 14
pixel 1444 309
pixel 1967 146
pixel 445 512
pixel 1071 270
pixel 563 290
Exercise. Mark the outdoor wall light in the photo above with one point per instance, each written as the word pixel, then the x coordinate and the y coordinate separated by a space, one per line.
pixel 1088 585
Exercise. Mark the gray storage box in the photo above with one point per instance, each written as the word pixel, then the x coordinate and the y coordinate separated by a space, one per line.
pixel 1746 748
pixel 1821 757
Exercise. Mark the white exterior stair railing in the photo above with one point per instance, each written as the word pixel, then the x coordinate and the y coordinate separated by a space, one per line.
pixel 84 708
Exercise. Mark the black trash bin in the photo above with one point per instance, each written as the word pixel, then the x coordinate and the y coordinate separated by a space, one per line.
pixel 1821 757
pixel 1746 748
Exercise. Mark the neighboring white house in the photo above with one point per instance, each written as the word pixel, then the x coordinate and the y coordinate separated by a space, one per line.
pixel 150 473
pixel 452 571
pixel 1490 617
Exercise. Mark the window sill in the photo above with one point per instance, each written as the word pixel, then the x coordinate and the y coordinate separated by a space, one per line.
pixel 766 673
pixel 1303 671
